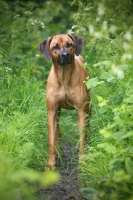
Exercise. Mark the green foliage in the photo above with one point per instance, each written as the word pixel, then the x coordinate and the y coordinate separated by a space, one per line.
pixel 18 182
pixel 107 28
pixel 89 193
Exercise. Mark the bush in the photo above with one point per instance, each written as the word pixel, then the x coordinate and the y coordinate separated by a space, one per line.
pixel 107 28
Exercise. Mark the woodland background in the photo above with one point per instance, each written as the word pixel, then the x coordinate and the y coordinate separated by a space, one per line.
pixel 108 32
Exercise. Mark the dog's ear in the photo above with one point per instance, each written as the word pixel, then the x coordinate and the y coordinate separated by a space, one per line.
pixel 44 48
pixel 79 42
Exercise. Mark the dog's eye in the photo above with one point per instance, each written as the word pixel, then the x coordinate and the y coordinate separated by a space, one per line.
pixel 69 44
pixel 55 47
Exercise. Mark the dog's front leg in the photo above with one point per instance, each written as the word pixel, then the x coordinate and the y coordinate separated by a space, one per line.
pixel 82 118
pixel 52 131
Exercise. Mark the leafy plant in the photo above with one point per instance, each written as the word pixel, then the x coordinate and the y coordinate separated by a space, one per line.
pixel 107 28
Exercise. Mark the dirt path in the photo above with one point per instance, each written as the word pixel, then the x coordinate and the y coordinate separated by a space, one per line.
pixel 68 187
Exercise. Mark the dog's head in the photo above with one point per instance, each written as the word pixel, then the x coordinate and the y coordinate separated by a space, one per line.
pixel 61 48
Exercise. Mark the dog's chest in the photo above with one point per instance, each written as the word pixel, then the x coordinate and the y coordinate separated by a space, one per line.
pixel 66 93
pixel 68 97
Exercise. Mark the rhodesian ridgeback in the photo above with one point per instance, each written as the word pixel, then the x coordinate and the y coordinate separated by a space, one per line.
pixel 65 86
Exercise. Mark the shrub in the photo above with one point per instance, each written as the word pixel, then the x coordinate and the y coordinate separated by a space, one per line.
pixel 107 28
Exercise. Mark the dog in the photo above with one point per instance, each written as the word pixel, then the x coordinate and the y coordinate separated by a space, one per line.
pixel 65 86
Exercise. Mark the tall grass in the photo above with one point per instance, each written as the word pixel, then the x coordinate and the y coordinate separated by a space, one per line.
pixel 23 113
pixel 23 137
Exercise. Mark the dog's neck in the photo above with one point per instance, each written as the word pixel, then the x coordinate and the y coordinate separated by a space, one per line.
pixel 64 74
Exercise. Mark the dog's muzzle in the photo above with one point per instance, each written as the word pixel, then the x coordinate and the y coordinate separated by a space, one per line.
pixel 65 58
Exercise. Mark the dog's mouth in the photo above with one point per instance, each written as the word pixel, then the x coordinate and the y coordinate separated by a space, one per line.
pixel 65 58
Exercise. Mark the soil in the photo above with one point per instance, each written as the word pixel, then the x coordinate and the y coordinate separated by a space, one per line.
pixel 68 187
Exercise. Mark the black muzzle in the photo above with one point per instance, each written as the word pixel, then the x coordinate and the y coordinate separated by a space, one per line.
pixel 65 57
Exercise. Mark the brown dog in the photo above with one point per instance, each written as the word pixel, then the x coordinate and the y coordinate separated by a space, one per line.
pixel 65 87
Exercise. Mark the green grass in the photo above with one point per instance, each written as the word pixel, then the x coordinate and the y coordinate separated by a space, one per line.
pixel 23 138
pixel 23 119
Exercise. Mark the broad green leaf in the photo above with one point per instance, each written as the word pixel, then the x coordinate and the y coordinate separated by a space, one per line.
pixel 119 134
pixel 130 149
pixel 100 99
pixel 129 165
pixel 121 176
pixel 128 135
pixel 107 76
pixel 129 99
pixel 102 102
pixel 103 109
pixel 89 193
pixel 106 132
pixel 107 147
pixel 91 83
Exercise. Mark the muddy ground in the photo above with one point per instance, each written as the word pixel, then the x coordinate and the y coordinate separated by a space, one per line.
pixel 68 187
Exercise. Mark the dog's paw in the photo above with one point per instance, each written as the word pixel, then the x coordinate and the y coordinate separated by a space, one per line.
pixel 50 167
pixel 51 162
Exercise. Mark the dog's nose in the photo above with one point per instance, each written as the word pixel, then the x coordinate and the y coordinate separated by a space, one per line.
pixel 65 57
pixel 65 54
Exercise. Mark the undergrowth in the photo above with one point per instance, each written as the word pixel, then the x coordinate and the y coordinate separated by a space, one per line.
pixel 106 172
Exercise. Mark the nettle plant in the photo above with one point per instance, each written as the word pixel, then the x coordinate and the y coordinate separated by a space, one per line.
pixel 108 31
